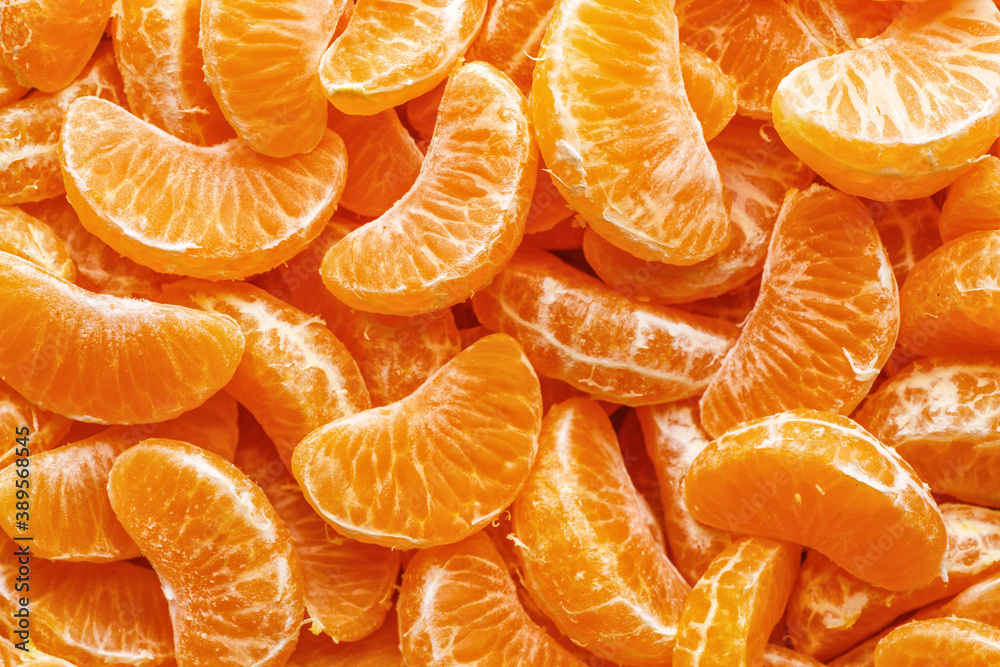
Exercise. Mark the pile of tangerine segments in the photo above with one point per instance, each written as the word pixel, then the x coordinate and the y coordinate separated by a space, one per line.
pixel 499 333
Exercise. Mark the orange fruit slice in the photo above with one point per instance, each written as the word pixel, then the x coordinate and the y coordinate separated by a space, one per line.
pixel 711 92
pixel 29 131
pixel 458 604
pixel 143 362
pixel 436 466
pixel 548 208
pixel 757 171
pixel 421 114
pixel 576 329
pixel 10 89
pixel 640 175
pixel 387 56
pixel 464 215
pixel 295 375
pixel 949 303
pixel 827 315
pixel 219 548
pixel 29 238
pixel 584 546
pixel 277 216
pixel 45 429
pixel 972 200
pixel 776 655
pixel 12 655
pixel 957 641
pixel 733 608
pixel 733 306
pixel 641 470
pixel 909 231
pixel 511 35
pixel 379 649
pixel 161 64
pixel 862 127
pixel 47 42
pixel 820 480
pixel 978 602
pixel 565 235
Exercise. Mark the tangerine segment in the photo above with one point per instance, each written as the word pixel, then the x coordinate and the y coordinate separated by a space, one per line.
pixel 459 605
pixel 831 610
pixel 565 235
pixel 11 655
pixel 29 131
pixel 972 201
pixel 379 649
pixel 10 89
pixel 979 602
pixel 45 429
pixel 219 548
pixel 548 208
pixel 943 417
pixel 295 376
pixel 757 171
pixel 436 466
pixel 952 641
pixel 348 585
pixel 462 219
pixel 511 36
pixel 48 42
pixel 586 553
pixel 391 54
pixel 950 303
pixel 776 655
pixel 908 229
pixel 143 362
pixel 820 480
pixel 711 92
pixel 576 329
pixel 29 238
pixel 827 315
pixel 857 121
pixel 640 175
pixel 156 42
pixel 260 62
pixel 733 608
pixel 276 206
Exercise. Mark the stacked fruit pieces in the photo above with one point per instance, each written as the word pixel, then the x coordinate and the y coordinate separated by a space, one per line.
pixel 499 333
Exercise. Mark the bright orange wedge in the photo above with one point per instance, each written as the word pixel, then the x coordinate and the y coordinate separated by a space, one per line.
pixel 511 36
pixel 972 201
pixel 949 642
pixel 30 239
pixel 711 92
pixel 45 429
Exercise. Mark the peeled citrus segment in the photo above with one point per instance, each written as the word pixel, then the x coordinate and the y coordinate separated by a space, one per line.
pixel 48 42
pixel 757 171
pixel 436 466
pixel 260 62
pixel 733 608
pixel 107 359
pixel 827 316
pixel 30 239
pixel 421 114
pixel 462 219
pixel 511 36
pixel 379 649
pixel 710 91
pixel 776 655
pixel 951 641
pixel 565 235
pixel 156 42
pixel 950 303
pixel 733 306
pixel 219 548
pixel 219 212
pixel 45 429
pixel 10 89
pixel 389 55
pixel 29 131
pixel 295 375
pixel 576 329
pixel 973 200
pixel 14 656
pixel 858 120
pixel 642 471
pixel 548 208
pixel 640 175
pixel 458 605
pixel 586 553
pixel 820 480
pixel 978 602
pixel 348 584
pixel 908 229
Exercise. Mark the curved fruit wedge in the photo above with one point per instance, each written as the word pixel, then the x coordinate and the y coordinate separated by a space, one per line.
pixel 953 642
pixel 461 220
pixel 142 362
pixel 776 655
pixel 14 656
pixel 639 174
pixel 711 92
pixel 972 202
pixel 856 120
pixel 232 213
pixel 976 603
pixel 388 55
pixel 548 208
pixel 10 89
pixel 733 608
pixel 260 62
pixel 819 480
pixel 379 649
pixel 587 555
pixel 511 36
pixel 31 239
pixel 575 328
pixel 219 548
pixel 827 316
pixel 48 42
pixel 45 429
pixel 909 231
pixel 459 601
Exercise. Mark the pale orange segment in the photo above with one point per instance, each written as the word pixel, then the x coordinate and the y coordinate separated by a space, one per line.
pixel 511 35
pixel 824 323
pixel 953 642
pixel 48 42
pixel 858 120
pixel 45 429
pixel 710 91
pixel 462 219
pixel 219 548
pixel 29 131
pixel 29 238
pixel 641 175
pixel 972 201
pixel 10 89
pixel 436 466
pixel 459 605
pixel 908 229
pixel 379 649
pixel 586 553
pixel 107 359
pixel 119 169
pixel 391 54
